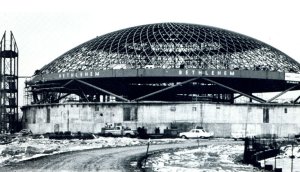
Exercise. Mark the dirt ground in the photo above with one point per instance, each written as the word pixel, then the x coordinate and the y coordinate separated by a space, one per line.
pixel 107 159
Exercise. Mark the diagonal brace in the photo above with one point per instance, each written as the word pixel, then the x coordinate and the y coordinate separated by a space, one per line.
pixel 237 96
pixel 102 90
pixel 280 94
pixel 165 89
pixel 69 82
pixel 237 91
pixel 295 101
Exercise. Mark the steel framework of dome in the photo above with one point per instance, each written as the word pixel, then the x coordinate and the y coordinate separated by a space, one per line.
pixel 166 62
pixel 173 45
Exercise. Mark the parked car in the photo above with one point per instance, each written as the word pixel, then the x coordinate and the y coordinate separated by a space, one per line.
pixel 241 135
pixel 119 131
pixel 196 133
pixel 23 132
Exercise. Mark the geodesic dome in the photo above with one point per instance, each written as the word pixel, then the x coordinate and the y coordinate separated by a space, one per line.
pixel 173 46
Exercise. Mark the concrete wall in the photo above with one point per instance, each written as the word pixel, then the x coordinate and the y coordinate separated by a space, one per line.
pixel 222 119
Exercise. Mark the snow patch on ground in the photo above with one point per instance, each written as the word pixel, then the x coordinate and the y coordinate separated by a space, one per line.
pixel 283 160
pixel 27 148
pixel 212 157
pixel 287 151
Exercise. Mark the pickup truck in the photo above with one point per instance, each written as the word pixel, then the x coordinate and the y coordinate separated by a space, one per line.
pixel 241 135
pixel 196 133
pixel 119 131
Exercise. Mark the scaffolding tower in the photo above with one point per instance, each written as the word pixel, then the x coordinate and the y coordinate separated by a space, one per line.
pixel 8 84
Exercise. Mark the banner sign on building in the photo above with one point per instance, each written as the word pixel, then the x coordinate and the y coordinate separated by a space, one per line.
pixel 292 77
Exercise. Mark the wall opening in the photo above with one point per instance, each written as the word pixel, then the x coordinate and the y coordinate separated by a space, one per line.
pixel 265 115
pixel 130 114
pixel 48 115
pixel 56 128
pixel 34 117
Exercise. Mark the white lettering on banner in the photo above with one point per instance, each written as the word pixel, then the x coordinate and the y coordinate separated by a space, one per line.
pixel 292 77
pixel 206 72
pixel 187 72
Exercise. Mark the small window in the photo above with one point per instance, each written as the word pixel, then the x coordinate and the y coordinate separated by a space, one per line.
pixel 194 108
pixel 285 110
pixel 96 108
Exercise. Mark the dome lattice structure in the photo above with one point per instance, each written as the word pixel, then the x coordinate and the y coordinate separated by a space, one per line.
pixel 175 46
pixel 166 62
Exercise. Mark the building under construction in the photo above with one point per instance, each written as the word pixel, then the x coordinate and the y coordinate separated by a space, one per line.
pixel 165 75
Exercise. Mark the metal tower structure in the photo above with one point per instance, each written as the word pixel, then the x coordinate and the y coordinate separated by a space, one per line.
pixel 8 83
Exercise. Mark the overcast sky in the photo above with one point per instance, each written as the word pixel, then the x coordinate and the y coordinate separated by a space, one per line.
pixel 45 29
